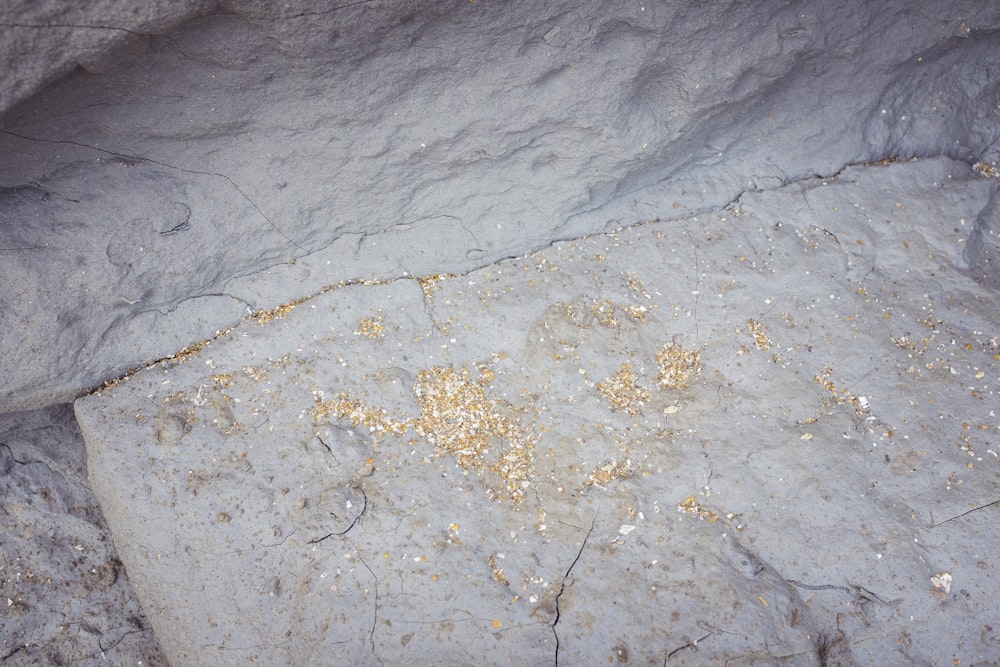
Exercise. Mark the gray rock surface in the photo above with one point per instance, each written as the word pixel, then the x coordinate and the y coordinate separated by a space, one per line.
pixel 156 196
pixel 43 41
pixel 734 438
pixel 64 596
pixel 196 162
pixel 983 251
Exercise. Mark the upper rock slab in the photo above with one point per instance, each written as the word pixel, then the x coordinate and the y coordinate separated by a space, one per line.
pixel 41 41
pixel 249 158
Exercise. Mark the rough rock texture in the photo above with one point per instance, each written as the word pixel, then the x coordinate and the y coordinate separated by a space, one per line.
pixel 64 597
pixel 200 160
pixel 739 429
pixel 983 251
pixel 156 195
pixel 45 40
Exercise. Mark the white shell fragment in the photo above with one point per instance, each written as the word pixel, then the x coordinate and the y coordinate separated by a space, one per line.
pixel 942 582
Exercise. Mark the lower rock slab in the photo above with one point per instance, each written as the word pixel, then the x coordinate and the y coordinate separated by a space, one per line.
pixel 751 436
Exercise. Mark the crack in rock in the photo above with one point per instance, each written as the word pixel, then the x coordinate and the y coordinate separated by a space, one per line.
pixel 993 503
pixel 371 632
pixel 81 26
pixel 135 159
pixel 693 644
pixel 562 585
pixel 364 508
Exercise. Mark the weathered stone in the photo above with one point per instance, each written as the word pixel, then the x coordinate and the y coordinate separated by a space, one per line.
pixel 248 159
pixel 64 595
pixel 42 41
pixel 199 160
pixel 724 438
pixel 983 249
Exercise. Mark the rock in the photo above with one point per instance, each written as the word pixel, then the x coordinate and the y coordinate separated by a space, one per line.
pixel 63 591
pixel 43 41
pixel 254 157
pixel 983 249
pixel 419 202
pixel 724 438
pixel 914 120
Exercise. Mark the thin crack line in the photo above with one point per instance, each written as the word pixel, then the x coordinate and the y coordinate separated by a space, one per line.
pixel 322 13
pixel 974 509
pixel 562 585
pixel 851 589
pixel 16 649
pixel 371 634
pixel 13 457
pixel 42 26
pixel 168 166
pixel 47 192
pixel 283 540
pixel 175 306
pixel 691 644
pixel 364 507
pixel 118 641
